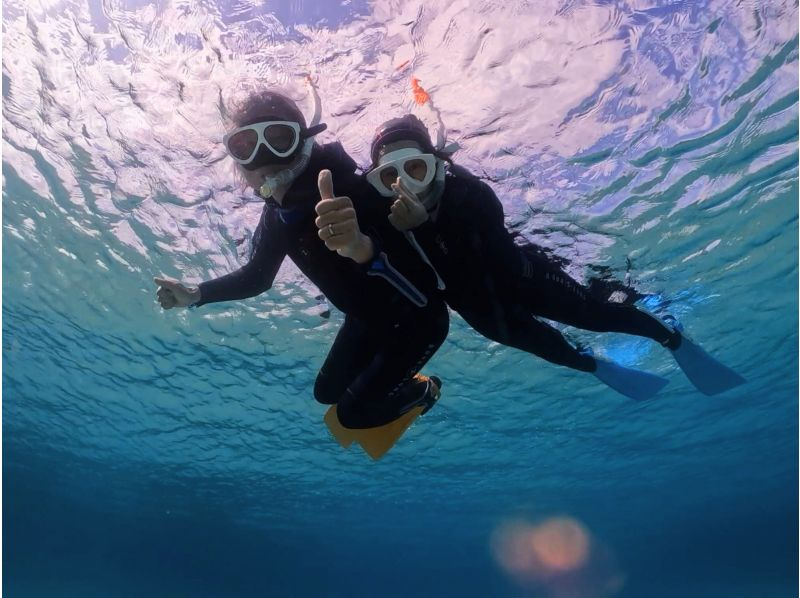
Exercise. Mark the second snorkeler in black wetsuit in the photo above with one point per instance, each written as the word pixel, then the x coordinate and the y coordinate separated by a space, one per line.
pixel 394 320
pixel 456 223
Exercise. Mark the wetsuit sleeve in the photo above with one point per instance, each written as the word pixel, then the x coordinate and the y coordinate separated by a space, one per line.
pixel 253 278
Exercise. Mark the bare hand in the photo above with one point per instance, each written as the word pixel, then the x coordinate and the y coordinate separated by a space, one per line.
pixel 338 224
pixel 172 293
pixel 407 211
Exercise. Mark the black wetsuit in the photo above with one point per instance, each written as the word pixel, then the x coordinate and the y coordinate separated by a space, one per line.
pixel 499 287
pixel 394 320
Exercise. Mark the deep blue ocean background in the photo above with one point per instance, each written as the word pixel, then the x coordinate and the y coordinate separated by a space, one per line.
pixel 181 453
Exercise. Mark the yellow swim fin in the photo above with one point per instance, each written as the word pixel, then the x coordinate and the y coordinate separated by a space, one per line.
pixel 344 436
pixel 377 441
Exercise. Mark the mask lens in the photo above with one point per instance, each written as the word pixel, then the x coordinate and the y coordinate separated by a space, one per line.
pixel 389 176
pixel 281 137
pixel 242 144
pixel 416 169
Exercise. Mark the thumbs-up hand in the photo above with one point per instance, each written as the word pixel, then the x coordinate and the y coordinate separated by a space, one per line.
pixel 338 225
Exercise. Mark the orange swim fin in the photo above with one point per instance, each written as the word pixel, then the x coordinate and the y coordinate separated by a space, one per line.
pixel 377 441
pixel 344 436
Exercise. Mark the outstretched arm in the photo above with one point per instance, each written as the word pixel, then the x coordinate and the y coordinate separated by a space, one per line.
pixel 250 280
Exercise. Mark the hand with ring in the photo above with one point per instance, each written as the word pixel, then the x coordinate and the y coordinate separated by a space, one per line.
pixel 338 225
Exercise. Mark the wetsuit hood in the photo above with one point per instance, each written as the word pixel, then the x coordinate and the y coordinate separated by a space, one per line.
pixel 404 128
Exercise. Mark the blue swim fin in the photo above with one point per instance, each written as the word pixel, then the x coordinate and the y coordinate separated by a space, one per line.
pixel 634 384
pixel 707 374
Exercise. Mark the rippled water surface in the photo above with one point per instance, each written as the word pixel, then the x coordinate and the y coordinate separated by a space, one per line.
pixel 182 454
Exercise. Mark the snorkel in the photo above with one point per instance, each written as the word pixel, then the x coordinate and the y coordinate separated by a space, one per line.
pixel 410 129
pixel 286 177
pixel 442 149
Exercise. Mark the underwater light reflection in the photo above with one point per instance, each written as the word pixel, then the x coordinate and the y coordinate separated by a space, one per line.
pixel 556 557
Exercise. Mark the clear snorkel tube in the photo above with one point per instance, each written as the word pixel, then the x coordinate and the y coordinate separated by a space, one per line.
pixel 288 175
pixel 441 147
pixel 423 99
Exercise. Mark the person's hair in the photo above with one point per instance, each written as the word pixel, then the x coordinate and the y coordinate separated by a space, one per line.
pixel 250 100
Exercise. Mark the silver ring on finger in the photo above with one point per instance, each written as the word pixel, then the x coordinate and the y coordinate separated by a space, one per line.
pixel 330 230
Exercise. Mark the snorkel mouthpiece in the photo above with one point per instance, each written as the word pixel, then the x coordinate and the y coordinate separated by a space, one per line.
pixel 267 189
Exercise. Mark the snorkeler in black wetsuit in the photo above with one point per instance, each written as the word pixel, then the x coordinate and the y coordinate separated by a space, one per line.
pixel 500 288
pixel 456 223
pixel 394 320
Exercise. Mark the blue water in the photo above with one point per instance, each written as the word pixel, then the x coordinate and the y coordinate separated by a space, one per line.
pixel 150 453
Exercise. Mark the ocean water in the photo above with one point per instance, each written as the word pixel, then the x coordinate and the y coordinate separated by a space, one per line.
pixel 181 453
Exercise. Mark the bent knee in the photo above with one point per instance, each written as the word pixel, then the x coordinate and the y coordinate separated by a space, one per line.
pixel 326 391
